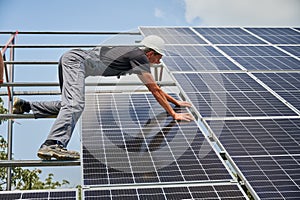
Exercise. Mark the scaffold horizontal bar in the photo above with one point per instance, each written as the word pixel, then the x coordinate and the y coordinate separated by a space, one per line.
pixel 44 84
pixel 31 62
pixel 73 32
pixel 67 45
pixel 21 116
pixel 36 163
pixel 32 93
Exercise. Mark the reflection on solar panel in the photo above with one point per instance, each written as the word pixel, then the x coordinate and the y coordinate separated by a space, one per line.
pixel 230 191
pixel 230 95
pixel 174 35
pixel 261 58
pixel 228 36
pixel 129 139
pixel 277 35
pixel 40 194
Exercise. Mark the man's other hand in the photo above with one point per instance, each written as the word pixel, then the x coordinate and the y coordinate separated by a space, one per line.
pixel 184 104
pixel 183 117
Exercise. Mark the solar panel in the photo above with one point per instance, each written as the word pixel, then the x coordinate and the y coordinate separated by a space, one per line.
pixel 272 177
pixel 261 58
pixel 172 35
pixel 129 139
pixel 295 50
pixel 230 191
pixel 277 35
pixel 196 58
pixel 266 151
pixel 285 84
pixel 230 95
pixel 70 194
pixel 260 137
pixel 228 36
pixel 280 81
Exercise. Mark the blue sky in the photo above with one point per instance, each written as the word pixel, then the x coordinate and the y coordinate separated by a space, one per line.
pixel 115 15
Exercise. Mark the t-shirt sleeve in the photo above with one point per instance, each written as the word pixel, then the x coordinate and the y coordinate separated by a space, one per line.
pixel 140 64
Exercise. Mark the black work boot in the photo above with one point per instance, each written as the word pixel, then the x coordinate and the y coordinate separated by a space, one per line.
pixel 20 106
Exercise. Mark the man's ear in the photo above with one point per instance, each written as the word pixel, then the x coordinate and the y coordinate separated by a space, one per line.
pixel 149 53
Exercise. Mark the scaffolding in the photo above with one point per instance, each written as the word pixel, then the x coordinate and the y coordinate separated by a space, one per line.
pixel 9 50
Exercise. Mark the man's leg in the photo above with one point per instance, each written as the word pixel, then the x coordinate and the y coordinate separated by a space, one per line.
pixel 72 105
pixel 39 109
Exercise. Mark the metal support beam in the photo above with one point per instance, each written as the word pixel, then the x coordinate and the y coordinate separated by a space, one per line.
pixel 44 84
pixel 38 163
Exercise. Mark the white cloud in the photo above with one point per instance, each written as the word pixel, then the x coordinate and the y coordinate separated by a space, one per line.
pixel 159 13
pixel 243 12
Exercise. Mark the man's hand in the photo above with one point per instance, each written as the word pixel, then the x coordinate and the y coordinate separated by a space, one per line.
pixel 183 104
pixel 183 117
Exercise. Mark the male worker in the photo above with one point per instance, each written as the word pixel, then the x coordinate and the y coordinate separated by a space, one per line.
pixel 77 64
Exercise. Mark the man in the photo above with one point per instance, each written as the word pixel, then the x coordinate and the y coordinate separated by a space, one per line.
pixel 77 64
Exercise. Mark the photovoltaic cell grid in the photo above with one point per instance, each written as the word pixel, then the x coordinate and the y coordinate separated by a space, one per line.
pixel 277 35
pixel 129 139
pixel 231 191
pixel 294 50
pixel 228 36
pixel 272 177
pixel 40 194
pixel 267 153
pixel 261 137
pixel 230 95
pixel 196 58
pixel 287 85
pixel 261 58
pixel 174 35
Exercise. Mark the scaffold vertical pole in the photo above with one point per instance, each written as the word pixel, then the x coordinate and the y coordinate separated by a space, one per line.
pixel 10 121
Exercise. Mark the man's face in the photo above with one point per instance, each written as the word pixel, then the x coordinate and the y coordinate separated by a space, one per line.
pixel 154 58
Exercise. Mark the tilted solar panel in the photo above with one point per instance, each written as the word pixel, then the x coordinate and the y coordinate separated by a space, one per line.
pixel 287 85
pixel 230 95
pixel 129 139
pixel 261 58
pixel 69 194
pixel 174 35
pixel 272 177
pixel 260 137
pixel 266 152
pixel 196 58
pixel 228 36
pixel 295 50
pixel 208 192
pixel 277 35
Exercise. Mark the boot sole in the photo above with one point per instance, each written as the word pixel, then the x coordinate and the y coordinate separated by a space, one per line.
pixel 49 156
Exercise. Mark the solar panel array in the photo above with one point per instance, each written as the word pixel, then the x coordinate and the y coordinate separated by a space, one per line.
pixel 70 194
pixel 244 86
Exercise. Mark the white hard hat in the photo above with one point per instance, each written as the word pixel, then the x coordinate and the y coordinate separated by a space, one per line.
pixel 154 42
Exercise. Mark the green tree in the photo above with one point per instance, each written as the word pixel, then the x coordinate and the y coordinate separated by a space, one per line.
pixel 24 179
